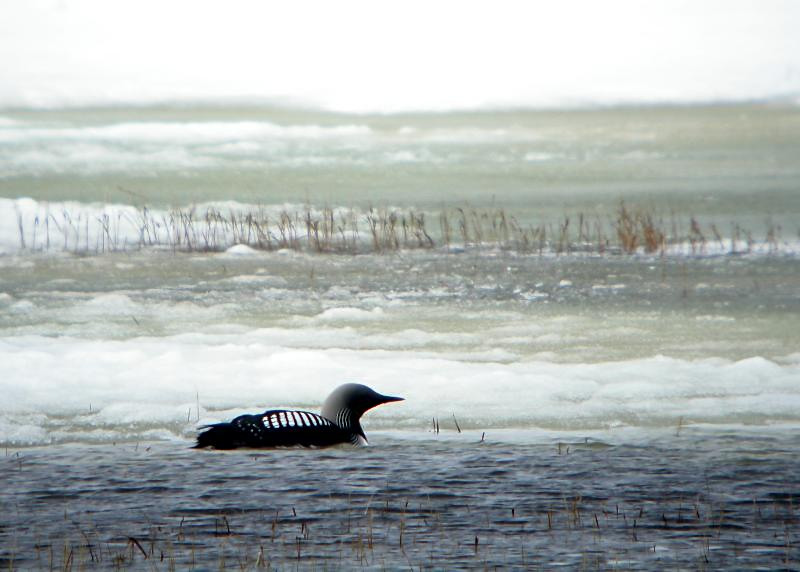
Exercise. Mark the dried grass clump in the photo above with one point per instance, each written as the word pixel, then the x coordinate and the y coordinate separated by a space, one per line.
pixel 339 231
pixel 639 228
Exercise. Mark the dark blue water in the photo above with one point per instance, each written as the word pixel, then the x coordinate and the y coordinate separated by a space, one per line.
pixel 698 499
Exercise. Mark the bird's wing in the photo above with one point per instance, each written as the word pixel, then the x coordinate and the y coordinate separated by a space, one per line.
pixel 282 428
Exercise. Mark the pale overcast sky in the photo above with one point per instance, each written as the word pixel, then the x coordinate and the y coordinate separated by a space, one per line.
pixel 387 56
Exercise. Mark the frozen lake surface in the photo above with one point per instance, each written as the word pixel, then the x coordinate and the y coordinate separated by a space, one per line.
pixel 634 367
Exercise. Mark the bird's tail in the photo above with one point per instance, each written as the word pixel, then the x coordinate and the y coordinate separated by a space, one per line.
pixel 219 436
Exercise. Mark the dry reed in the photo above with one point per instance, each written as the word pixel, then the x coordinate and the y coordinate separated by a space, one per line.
pixel 329 231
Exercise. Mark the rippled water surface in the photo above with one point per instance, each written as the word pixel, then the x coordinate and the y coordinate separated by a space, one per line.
pixel 691 499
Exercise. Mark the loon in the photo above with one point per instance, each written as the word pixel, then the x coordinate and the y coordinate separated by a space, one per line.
pixel 339 423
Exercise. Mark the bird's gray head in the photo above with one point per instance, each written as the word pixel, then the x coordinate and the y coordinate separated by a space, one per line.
pixel 349 402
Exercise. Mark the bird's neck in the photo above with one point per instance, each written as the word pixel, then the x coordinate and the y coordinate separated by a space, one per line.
pixel 345 419
pixel 350 422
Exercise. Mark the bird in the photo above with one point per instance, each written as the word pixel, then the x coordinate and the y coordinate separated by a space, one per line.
pixel 337 424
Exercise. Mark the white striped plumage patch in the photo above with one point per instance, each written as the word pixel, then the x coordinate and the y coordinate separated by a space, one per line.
pixel 286 419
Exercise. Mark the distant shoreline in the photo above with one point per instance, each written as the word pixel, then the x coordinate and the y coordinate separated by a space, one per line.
pixel 258 104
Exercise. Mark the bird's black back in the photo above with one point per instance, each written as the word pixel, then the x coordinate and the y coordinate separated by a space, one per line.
pixel 275 428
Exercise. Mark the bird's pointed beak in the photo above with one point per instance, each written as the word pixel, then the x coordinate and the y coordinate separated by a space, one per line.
pixel 381 399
